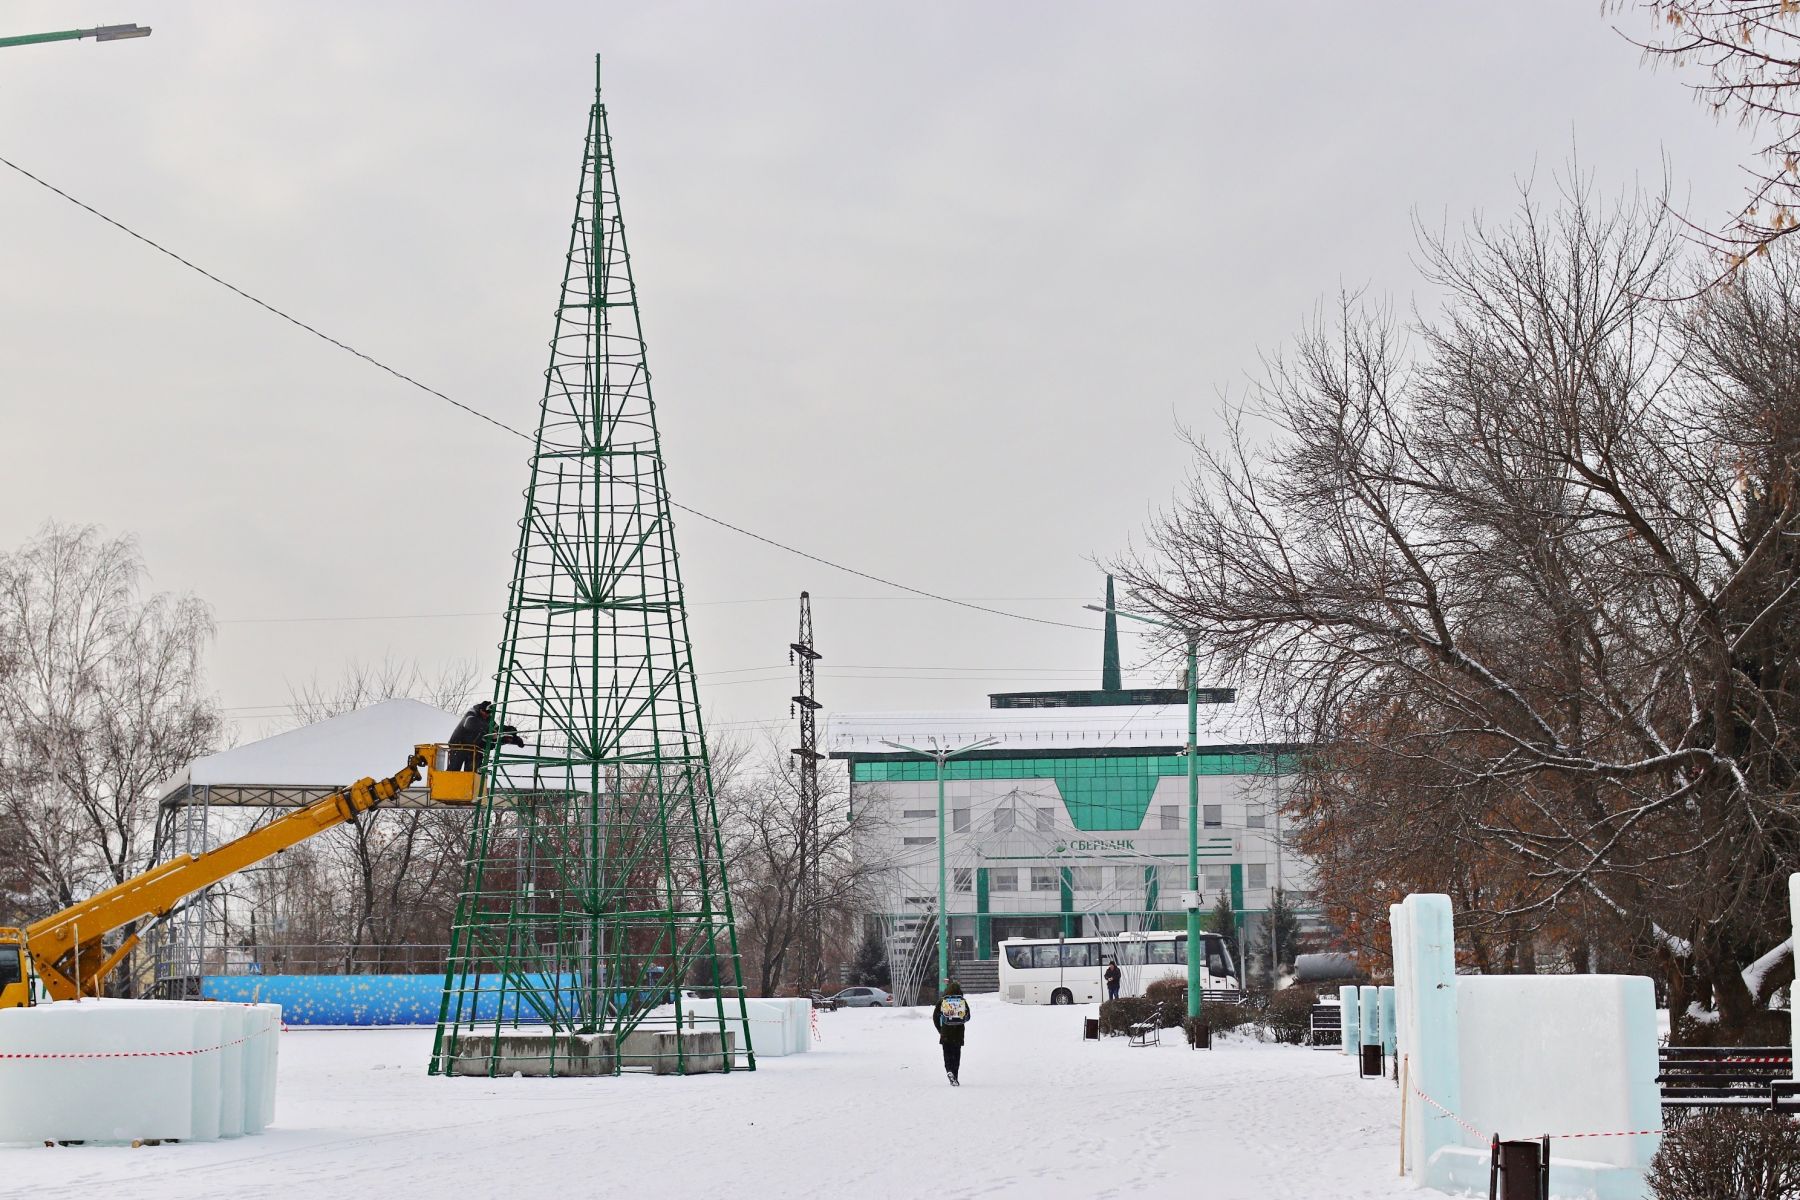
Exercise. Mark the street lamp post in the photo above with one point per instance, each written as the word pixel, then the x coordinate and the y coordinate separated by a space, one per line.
pixel 941 756
pixel 103 33
pixel 1195 950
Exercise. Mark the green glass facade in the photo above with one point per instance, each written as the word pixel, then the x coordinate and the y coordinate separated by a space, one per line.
pixel 1101 794
pixel 1113 856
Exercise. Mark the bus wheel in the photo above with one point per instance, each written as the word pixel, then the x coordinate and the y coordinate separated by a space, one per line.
pixel 1061 996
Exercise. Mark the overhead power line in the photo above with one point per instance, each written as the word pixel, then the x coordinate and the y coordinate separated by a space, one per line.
pixel 499 424
pixel 444 616
pixel 998 612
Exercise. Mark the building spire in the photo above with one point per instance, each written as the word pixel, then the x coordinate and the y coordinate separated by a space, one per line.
pixel 1109 662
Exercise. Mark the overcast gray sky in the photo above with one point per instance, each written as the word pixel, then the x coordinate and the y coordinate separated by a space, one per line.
pixel 928 289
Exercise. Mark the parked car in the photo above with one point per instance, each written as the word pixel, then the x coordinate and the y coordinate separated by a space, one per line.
pixel 863 997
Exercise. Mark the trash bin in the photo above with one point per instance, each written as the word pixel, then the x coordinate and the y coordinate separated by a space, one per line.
pixel 1090 1029
pixel 1373 1065
pixel 1519 1170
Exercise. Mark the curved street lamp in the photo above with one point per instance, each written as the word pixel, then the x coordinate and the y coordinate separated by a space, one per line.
pixel 941 756
pixel 102 33
pixel 1191 900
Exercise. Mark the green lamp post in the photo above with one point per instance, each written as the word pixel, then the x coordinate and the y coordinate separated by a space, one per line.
pixel 1195 950
pixel 941 756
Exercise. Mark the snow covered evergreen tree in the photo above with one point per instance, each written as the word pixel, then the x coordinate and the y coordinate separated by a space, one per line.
pixel 870 966
pixel 1273 948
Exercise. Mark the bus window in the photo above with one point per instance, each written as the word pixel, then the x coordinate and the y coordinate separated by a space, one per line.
pixel 1181 950
pixel 1131 954
pixel 1218 960
pixel 1080 954
pixel 1162 953
pixel 1048 956
pixel 1018 956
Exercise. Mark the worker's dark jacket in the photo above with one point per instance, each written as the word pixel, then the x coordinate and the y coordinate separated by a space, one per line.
pixel 473 729
pixel 949 1035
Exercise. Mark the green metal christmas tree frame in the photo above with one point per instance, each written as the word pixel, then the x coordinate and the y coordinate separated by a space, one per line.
pixel 594 901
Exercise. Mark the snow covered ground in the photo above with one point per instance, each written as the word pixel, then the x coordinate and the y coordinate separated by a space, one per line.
pixel 866 1114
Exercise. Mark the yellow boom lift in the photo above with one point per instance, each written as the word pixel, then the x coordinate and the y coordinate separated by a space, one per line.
pixel 64 954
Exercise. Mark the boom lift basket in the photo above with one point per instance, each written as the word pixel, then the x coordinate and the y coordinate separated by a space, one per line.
pixel 445 785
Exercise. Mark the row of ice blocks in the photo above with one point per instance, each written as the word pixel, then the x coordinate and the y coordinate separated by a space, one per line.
pixel 778 1026
pixel 125 1070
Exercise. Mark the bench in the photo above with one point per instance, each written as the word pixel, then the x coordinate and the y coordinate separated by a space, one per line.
pixel 1145 1033
pixel 1726 1076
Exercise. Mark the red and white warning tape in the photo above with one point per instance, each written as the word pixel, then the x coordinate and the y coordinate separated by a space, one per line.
pixel 1537 1136
pixel 814 1014
pixel 1620 1133
pixel 138 1053
pixel 1427 1099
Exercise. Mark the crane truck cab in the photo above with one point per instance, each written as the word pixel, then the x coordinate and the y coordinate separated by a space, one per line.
pixel 15 970
pixel 63 955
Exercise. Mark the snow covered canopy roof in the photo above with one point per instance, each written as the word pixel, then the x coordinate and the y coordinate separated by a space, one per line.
pixel 302 765
pixel 1121 729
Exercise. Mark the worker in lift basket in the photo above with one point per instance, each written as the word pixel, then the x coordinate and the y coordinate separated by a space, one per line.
pixel 474 733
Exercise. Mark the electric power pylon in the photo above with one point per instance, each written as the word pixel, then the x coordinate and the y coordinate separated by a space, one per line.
pixel 801 652
pixel 594 899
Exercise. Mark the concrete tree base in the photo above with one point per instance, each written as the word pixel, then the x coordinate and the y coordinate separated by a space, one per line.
pixel 534 1055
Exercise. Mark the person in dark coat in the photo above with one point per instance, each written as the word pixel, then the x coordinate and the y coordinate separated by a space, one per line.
pixel 474 734
pixel 950 1017
pixel 1112 979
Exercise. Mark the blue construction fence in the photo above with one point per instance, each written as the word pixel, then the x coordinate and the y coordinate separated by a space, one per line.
pixel 381 999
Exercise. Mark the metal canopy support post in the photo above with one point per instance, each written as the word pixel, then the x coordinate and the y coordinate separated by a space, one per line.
pixel 594 903
pixel 179 943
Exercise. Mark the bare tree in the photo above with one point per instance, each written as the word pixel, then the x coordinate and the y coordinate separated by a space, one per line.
pixel 101 699
pixel 363 684
pixel 390 878
pixel 1529 581
pixel 761 817
pixel 1749 51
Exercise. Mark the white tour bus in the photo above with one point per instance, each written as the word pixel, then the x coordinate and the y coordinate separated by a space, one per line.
pixel 1071 970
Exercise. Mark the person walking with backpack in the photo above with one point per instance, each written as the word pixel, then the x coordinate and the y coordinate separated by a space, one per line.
pixel 950 1018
